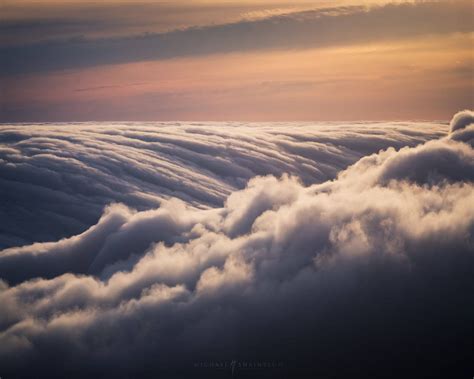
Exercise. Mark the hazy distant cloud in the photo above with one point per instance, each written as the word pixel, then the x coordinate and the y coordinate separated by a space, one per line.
pixel 29 21
pixel 371 270
pixel 317 28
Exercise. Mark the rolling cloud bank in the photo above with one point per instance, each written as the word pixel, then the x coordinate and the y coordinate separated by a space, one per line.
pixel 334 249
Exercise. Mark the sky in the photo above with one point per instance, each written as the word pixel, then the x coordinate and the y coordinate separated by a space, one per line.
pixel 226 60
pixel 132 249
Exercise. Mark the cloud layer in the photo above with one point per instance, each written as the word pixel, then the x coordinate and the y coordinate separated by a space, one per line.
pixel 308 29
pixel 369 271
pixel 55 180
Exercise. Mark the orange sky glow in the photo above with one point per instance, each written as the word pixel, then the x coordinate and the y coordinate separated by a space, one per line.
pixel 425 76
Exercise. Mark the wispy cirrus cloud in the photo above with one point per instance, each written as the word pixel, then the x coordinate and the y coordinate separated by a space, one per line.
pixel 316 28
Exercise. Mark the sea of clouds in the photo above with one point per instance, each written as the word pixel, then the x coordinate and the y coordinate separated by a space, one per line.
pixel 148 249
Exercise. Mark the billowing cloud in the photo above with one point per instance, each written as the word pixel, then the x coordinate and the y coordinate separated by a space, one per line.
pixel 57 179
pixel 462 120
pixel 368 271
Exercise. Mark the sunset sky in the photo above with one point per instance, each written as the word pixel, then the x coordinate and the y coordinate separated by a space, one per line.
pixel 228 60
pixel 236 188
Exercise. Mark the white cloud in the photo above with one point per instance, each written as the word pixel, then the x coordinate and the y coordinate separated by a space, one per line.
pixel 55 180
pixel 376 262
